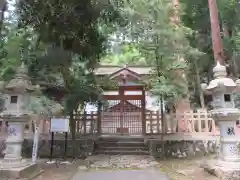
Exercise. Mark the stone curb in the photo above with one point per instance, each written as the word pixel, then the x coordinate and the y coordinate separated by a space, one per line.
pixel 35 175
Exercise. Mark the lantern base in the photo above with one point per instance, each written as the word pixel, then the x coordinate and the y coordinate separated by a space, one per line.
pixel 29 170
pixel 223 170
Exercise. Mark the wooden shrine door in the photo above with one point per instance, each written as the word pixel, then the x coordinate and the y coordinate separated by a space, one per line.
pixel 124 113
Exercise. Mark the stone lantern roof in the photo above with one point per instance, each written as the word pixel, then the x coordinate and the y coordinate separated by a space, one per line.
pixel 21 81
pixel 220 79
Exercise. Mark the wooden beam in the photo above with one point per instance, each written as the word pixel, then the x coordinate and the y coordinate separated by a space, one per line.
pixel 125 97
pixel 131 87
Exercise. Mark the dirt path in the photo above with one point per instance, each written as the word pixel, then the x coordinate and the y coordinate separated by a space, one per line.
pixel 183 169
pixel 143 174
pixel 58 171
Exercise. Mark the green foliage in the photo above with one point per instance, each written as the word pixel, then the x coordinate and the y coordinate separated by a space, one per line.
pixel 164 85
pixel 106 83
pixel 73 25
pixel 195 15
pixel 84 88
pixel 129 54
pixel 41 104
pixel 228 10
pixel 74 33
pixel 16 46
pixel 162 43
pixel 72 36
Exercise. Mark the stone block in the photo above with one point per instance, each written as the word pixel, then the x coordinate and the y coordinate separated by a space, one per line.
pixel 179 149
pixel 153 148
pixel 25 172
pixel 222 172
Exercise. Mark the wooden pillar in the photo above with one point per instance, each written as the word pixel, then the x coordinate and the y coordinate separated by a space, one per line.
pixel 217 44
pixel 99 118
pixel 143 104
pixel 121 93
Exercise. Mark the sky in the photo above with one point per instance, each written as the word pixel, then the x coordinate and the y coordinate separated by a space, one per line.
pixel 10 7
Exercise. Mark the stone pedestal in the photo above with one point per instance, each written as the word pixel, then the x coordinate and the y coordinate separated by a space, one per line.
pixel 13 156
pixel 226 118
pixel 227 165
pixel 13 165
pixel 16 113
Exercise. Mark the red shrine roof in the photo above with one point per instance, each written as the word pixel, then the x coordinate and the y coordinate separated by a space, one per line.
pixel 125 72
pixel 111 70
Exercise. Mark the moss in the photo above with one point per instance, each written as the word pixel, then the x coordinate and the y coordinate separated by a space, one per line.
pixel 173 174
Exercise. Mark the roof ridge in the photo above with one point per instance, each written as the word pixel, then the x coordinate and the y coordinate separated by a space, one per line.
pixel 128 66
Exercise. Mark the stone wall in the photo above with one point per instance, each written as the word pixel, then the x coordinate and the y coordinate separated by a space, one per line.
pixel 84 148
pixel 176 149
pixel 183 149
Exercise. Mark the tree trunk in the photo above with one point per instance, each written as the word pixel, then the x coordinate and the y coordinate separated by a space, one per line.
pixel 37 43
pixel 162 127
pixel 3 8
pixel 67 78
pixel 201 95
pixel 73 134
pixel 235 65
pixel 215 30
pixel 228 33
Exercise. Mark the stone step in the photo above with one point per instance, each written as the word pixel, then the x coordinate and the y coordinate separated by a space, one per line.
pixel 120 143
pixel 121 140
pixel 121 152
pixel 136 148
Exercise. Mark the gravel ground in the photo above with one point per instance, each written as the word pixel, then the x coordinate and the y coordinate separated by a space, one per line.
pixel 143 174
pixel 177 169
pixel 185 169
pixel 57 171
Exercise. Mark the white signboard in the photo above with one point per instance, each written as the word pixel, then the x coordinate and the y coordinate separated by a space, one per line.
pixel 59 125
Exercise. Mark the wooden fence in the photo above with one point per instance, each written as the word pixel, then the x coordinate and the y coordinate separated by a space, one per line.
pixel 189 123
pixel 86 123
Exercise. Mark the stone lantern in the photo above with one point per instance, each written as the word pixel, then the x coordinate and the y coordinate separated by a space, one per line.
pixel 16 93
pixel 225 114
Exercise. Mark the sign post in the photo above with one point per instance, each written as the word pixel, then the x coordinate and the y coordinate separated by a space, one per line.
pixel 59 125
pixel 35 145
pixel 35 140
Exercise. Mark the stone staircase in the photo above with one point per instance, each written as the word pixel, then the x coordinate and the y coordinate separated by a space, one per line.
pixel 121 146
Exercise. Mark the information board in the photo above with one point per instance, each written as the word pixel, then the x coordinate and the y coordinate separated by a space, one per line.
pixel 59 125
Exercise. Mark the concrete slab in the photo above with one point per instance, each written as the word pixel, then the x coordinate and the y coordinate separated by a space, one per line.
pixel 31 170
pixel 144 174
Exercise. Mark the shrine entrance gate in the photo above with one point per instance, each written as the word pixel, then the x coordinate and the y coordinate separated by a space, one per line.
pixel 124 113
